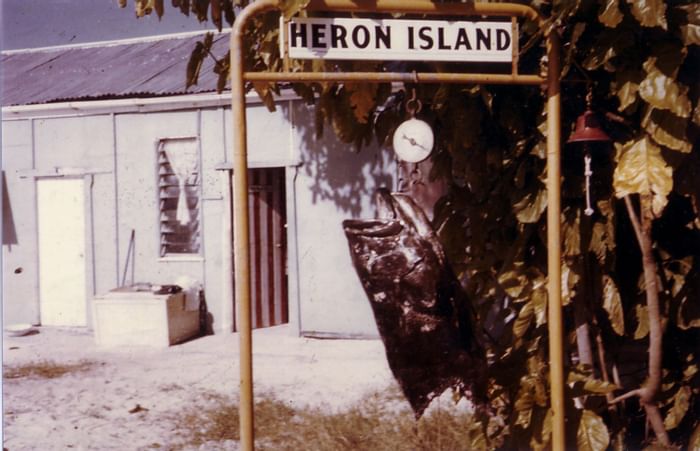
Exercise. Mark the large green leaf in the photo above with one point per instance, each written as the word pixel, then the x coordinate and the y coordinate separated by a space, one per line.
pixel 143 7
pixel 584 383
pixel 627 86
pixel 569 283
pixel 696 114
pixel 667 129
pixel 540 439
pixel 216 13
pixel 184 6
pixel 676 272
pixel 642 170
pixel 611 16
pixel 291 7
pixel 524 320
pixel 539 303
pixel 514 282
pixel 642 314
pixel 479 441
pixel 690 34
pixel 692 11
pixel 571 48
pixel 158 7
pixel 599 386
pixel 222 69
pixel 571 233
pixel 524 402
pixel 362 97
pixel 690 31
pixel 530 208
pixel 265 90
pixel 681 402
pixel 613 305
pixel 609 44
pixel 201 9
pixel 269 50
pixel 592 434
pixel 602 242
pixel 688 314
pixel 694 442
pixel 649 13
pixel 194 65
pixel 662 91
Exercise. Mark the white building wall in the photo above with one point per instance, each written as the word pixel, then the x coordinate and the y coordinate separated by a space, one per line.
pixel 328 181
pixel 85 146
pixel 217 296
pixel 19 258
pixel 138 210
pixel 69 142
pixel 334 182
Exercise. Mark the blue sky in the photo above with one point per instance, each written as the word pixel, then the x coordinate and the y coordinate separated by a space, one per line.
pixel 42 23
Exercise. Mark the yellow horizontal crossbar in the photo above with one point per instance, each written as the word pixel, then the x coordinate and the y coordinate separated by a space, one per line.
pixel 385 77
pixel 426 7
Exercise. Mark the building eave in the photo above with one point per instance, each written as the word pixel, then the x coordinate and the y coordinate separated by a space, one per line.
pixel 129 105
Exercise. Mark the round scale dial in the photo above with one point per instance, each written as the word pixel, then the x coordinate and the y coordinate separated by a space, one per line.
pixel 413 140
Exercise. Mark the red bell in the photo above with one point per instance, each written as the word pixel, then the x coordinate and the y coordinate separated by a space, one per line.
pixel 588 129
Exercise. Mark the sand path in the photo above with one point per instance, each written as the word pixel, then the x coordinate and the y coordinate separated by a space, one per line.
pixel 128 399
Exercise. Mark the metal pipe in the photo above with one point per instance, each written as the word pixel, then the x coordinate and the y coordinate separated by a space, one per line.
pixel 241 254
pixel 554 321
pixel 426 7
pixel 382 77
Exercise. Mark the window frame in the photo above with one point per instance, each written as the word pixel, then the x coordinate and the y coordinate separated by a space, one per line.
pixel 160 146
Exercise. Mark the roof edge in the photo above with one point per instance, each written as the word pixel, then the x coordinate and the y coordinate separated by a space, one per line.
pixel 131 105
pixel 116 42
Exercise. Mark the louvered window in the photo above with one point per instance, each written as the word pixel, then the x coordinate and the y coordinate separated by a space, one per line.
pixel 179 183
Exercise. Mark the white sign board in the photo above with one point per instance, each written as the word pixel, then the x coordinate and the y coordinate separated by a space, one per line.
pixel 397 39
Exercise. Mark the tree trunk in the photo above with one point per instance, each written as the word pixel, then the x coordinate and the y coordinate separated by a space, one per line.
pixel 647 393
pixel 582 313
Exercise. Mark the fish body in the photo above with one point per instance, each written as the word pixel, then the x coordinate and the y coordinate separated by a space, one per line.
pixel 422 313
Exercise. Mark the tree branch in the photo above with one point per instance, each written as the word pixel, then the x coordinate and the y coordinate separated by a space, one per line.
pixel 634 219
pixel 582 316
pixel 647 393
pixel 657 423
pixel 629 394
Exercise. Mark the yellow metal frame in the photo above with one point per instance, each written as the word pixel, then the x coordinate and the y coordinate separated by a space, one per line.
pixel 240 165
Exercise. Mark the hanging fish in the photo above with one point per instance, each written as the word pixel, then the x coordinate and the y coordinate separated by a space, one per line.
pixel 422 313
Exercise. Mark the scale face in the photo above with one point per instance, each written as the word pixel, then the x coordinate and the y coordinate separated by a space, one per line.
pixel 413 140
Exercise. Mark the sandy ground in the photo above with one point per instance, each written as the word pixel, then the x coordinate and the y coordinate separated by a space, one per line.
pixel 91 409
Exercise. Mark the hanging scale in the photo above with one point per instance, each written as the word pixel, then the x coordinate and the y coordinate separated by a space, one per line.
pixel 413 139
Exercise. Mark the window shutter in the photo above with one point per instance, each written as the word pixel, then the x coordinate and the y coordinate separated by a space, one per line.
pixel 179 199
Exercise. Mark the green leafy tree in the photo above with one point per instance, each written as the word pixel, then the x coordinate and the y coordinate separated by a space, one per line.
pixel 631 270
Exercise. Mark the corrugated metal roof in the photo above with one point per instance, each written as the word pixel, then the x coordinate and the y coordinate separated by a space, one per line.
pixel 117 69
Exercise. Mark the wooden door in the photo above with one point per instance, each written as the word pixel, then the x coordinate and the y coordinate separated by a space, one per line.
pixel 268 247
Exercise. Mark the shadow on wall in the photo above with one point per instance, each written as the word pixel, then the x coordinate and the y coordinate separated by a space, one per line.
pixel 206 319
pixel 9 233
pixel 337 171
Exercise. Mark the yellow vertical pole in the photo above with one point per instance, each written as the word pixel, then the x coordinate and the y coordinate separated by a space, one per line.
pixel 241 254
pixel 556 351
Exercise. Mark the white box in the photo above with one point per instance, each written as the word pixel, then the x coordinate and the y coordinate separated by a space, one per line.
pixel 124 318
